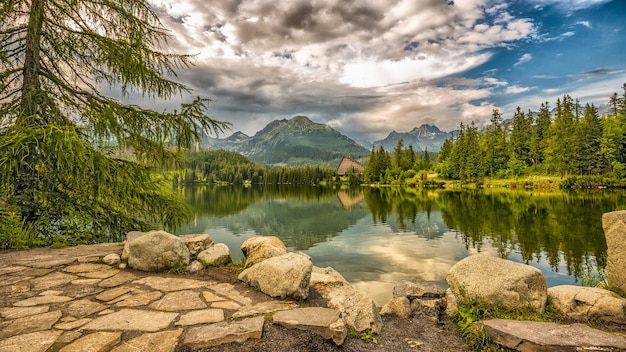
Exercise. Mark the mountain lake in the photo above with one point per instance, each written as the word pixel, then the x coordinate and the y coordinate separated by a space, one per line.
pixel 378 237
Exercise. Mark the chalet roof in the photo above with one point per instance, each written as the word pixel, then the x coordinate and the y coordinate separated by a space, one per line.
pixel 347 164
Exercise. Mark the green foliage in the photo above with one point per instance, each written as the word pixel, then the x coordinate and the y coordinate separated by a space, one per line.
pixel 14 231
pixel 577 142
pixel 75 163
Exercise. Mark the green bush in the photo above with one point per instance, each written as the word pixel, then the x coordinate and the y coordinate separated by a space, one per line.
pixel 14 232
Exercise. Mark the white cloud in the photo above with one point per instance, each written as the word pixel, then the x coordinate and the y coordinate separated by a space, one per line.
pixel 570 5
pixel 523 59
pixel 516 89
pixel 585 23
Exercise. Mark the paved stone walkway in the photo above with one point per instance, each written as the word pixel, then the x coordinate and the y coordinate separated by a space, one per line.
pixel 65 300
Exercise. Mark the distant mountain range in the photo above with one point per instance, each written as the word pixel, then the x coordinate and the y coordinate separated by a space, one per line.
pixel 300 141
pixel 424 137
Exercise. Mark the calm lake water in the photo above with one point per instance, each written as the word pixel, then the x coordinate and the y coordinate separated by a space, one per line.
pixel 377 238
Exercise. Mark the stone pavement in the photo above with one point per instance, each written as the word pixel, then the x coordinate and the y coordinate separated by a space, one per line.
pixel 66 300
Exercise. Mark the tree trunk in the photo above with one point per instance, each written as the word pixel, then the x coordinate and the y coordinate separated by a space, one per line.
pixel 31 94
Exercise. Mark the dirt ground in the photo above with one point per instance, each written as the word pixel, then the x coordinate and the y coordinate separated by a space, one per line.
pixel 398 335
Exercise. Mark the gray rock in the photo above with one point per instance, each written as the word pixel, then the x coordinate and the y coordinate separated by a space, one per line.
pixel 497 281
pixel 588 303
pixel 322 321
pixel 195 266
pixel 614 227
pixel 357 310
pixel 112 259
pixel 432 308
pixel 224 332
pixel 196 243
pixel 157 251
pixel 259 248
pixel 215 255
pixel 412 290
pixel 285 276
pixel 550 337
pixel 399 306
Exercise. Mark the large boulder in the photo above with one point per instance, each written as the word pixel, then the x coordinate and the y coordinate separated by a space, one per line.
pixel 215 255
pixel 588 303
pixel 357 309
pixel 131 235
pixel 285 276
pixel 497 281
pixel 157 251
pixel 259 248
pixel 614 227
pixel 196 243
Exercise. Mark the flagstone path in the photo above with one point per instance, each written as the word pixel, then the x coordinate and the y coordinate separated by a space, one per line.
pixel 66 300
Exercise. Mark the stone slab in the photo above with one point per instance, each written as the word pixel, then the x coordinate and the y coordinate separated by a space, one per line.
pixel 139 299
pixel 322 321
pixel 41 300
pixel 164 341
pixel 264 308
pixel 224 332
pixel 132 319
pixel 114 293
pixel 31 323
pixel 118 279
pixel 71 325
pixel 204 316
pixel 177 301
pixel 38 341
pixel 100 341
pixel 51 280
pixel 18 312
pixel 168 284
pixel 540 336
pixel 85 268
pixel 83 308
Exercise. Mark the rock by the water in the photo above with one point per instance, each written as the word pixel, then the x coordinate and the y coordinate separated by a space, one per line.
pixel 550 337
pixel 412 290
pixel 322 321
pixel 399 306
pixel 498 281
pixel 614 225
pixel 215 255
pixel 195 266
pixel 357 310
pixel 259 248
pixel 285 276
pixel 157 251
pixel 196 243
pixel 588 303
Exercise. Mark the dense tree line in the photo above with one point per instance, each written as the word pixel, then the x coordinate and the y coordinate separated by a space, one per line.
pixel 398 166
pixel 570 140
pixel 219 166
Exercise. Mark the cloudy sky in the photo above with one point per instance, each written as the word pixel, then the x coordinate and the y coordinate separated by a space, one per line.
pixel 367 67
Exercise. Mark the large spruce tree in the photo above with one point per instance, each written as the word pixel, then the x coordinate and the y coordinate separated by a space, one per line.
pixel 73 161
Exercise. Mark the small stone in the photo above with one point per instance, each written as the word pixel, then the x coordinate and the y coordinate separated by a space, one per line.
pixel 216 255
pixel 195 267
pixel 399 306
pixel 111 259
pixel 196 243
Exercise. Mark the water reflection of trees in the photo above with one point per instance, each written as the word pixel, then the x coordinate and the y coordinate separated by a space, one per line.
pixel 556 226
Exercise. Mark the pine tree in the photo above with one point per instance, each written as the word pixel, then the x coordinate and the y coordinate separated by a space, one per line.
pixel 494 145
pixel 57 128
pixel 520 140
pixel 540 133
pixel 590 135
pixel 562 149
